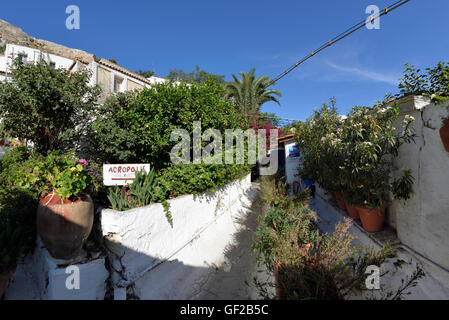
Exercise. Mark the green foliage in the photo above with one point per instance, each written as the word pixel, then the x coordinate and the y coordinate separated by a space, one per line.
pixel 145 74
pixel 135 127
pixel 10 246
pixel 138 194
pixel 284 215
pixel 196 76
pixel 142 188
pixel 354 155
pixel 47 106
pixel 67 177
pixel 250 93
pixel 401 187
pixel 193 179
pixel 309 265
pixel 118 200
pixel 435 82
pixel 14 156
pixel 318 162
pixel 60 172
pixel 17 226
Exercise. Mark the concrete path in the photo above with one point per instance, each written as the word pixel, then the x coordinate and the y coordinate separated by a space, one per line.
pixel 234 278
pixel 434 286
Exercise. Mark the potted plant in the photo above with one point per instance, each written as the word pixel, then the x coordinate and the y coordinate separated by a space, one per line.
pixel 350 201
pixel 65 213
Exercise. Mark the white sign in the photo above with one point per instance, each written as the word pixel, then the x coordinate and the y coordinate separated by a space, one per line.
pixel 122 174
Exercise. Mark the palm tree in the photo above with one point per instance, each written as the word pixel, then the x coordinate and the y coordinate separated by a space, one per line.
pixel 249 93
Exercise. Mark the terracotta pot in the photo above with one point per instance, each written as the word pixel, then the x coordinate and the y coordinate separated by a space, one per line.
pixel 444 134
pixel 64 225
pixel 352 212
pixel 340 201
pixel 4 282
pixel 372 220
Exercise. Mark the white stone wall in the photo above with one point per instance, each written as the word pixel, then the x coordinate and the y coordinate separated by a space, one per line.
pixel 165 262
pixel 42 277
pixel 422 222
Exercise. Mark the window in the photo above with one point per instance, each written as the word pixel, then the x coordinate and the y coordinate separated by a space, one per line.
pixel 53 64
pixel 118 84
pixel 23 57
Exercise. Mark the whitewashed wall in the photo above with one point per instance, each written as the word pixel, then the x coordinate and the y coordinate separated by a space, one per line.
pixel 165 262
pixel 422 222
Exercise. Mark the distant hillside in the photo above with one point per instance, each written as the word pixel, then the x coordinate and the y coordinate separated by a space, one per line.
pixel 12 34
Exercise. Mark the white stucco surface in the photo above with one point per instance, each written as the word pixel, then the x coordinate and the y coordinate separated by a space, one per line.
pixel 422 222
pixel 41 277
pixel 166 262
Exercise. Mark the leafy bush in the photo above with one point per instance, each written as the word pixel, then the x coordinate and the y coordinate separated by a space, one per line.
pixel 355 154
pixel 60 172
pixel 435 82
pixel 193 179
pixel 135 127
pixel 310 265
pixel 17 226
pixel 13 156
pixel 140 192
pixel 282 215
pixel 49 107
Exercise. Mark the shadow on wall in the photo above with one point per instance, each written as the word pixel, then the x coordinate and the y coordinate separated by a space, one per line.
pixel 214 265
pixel 223 266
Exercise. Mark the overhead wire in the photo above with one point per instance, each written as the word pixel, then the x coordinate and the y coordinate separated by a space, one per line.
pixel 341 36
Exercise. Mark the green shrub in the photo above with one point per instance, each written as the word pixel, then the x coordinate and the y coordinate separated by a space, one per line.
pixel 135 127
pixel 435 82
pixel 139 193
pixel 355 154
pixel 60 172
pixel 17 225
pixel 14 156
pixel 311 265
pixel 47 106
pixel 193 179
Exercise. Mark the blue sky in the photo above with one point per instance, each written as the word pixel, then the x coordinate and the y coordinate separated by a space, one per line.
pixel 225 37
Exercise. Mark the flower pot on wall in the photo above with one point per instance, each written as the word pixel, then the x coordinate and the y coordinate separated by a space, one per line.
pixel 444 134
pixel 340 201
pixel 64 225
pixel 352 212
pixel 372 220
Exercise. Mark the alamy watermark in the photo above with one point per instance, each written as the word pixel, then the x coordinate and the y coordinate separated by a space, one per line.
pixel 72 282
pixel 372 281
pixel 373 21
pixel 73 20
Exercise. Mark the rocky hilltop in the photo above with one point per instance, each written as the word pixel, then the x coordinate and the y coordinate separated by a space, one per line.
pixel 12 34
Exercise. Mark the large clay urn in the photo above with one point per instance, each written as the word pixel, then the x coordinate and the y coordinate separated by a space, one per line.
pixel 444 134
pixel 64 225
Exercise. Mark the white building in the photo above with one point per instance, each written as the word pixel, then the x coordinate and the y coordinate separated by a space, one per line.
pixel 111 77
